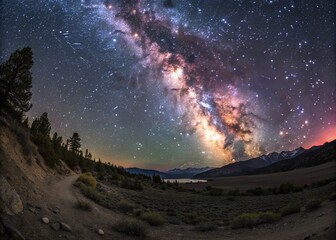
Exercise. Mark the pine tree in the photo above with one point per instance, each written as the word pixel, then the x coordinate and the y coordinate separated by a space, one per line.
pixel 16 83
pixel 75 142
pixel 41 125
pixel 25 123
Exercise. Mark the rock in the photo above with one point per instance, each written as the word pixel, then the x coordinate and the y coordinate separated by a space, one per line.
pixel 29 204
pixel 54 210
pixel 45 220
pixel 11 230
pixel 10 201
pixel 56 226
pixel 32 209
pixel 66 227
pixel 100 232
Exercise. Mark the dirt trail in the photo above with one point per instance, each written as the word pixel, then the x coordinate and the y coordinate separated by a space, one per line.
pixel 64 191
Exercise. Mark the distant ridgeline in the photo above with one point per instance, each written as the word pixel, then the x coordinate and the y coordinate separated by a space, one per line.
pixel 277 162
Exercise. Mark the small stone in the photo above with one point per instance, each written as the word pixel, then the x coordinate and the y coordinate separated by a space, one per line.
pixel 100 232
pixel 45 220
pixel 56 226
pixel 32 209
pixel 66 227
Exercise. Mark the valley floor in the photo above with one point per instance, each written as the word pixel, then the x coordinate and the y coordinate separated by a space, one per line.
pixel 57 201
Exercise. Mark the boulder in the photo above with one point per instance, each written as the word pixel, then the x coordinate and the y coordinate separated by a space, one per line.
pixel 10 201
pixel 66 227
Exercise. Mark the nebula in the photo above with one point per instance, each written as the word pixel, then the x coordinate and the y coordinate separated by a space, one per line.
pixel 195 76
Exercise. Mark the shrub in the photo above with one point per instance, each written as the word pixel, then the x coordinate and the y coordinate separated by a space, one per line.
pixel 234 192
pixel 90 192
pixel 252 219
pixel 258 191
pixel 313 204
pixel 126 206
pixel 131 227
pixel 206 226
pixel 84 205
pixel 286 188
pixel 322 182
pixel 138 212
pixel 214 191
pixel 153 218
pixel 88 179
pixel 290 209
pixel 193 219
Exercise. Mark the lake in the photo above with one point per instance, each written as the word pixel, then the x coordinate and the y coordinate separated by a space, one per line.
pixel 185 180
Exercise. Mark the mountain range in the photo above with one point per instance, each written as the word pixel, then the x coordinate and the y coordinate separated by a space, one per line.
pixel 276 162
pixel 268 163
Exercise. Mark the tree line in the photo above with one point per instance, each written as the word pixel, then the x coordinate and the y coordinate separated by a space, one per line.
pixel 15 101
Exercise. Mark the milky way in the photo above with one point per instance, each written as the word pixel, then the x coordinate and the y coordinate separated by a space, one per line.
pixel 177 83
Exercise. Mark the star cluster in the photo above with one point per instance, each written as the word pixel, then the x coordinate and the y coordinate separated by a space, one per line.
pixel 180 83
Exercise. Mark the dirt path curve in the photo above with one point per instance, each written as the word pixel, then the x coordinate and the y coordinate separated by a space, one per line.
pixel 64 191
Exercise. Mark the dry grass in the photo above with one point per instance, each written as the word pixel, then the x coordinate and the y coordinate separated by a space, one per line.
pixel 291 208
pixel 313 204
pixel 153 218
pixel 252 219
pixel 131 227
pixel 88 179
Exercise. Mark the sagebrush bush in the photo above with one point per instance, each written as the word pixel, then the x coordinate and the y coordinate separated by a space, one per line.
pixel 290 209
pixel 90 192
pixel 193 219
pixel 83 205
pixel 252 219
pixel 88 179
pixel 313 204
pixel 131 227
pixel 206 226
pixel 126 206
pixel 153 218
pixel 214 191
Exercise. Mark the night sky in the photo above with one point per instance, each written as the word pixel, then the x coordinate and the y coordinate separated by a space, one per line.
pixel 162 84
